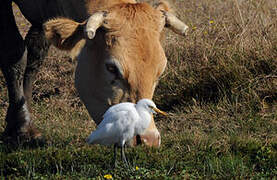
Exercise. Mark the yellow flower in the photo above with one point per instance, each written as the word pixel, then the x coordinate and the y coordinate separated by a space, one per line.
pixel 211 21
pixel 137 168
pixel 108 176
pixel 194 28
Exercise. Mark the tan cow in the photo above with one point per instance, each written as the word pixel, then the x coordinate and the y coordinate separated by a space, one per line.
pixel 119 53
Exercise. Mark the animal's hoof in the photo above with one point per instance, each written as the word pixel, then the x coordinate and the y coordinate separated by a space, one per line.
pixel 30 137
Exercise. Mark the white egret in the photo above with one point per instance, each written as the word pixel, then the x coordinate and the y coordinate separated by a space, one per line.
pixel 122 122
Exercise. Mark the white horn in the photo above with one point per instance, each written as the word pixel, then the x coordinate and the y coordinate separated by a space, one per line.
pixel 94 22
pixel 175 24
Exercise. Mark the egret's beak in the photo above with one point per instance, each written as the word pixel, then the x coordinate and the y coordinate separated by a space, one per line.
pixel 159 111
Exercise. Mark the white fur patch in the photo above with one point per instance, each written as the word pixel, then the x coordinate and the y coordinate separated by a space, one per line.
pixel 26 113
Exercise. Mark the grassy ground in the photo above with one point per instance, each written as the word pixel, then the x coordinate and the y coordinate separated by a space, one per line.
pixel 220 88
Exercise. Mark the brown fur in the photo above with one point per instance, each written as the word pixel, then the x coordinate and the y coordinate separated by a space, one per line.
pixel 141 35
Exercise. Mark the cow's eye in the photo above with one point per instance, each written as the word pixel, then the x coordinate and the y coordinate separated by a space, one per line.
pixel 115 69
pixel 112 69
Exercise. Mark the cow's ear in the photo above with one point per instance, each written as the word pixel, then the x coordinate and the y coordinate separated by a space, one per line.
pixel 170 20
pixel 64 33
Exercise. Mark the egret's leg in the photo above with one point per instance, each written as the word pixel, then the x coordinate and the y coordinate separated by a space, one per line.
pixel 123 157
pixel 124 154
pixel 114 155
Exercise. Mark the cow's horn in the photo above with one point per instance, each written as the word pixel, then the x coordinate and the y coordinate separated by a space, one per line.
pixel 175 24
pixel 94 22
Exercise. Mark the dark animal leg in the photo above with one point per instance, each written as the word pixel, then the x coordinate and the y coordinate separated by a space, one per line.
pixel 13 63
pixel 37 47
pixel 114 155
pixel 18 117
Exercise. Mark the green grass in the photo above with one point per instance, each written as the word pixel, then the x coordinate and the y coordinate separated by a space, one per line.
pixel 180 156
pixel 220 89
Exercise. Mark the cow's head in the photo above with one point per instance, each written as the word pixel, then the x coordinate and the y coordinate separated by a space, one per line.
pixel 120 57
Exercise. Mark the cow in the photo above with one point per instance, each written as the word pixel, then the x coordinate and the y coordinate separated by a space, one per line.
pixel 116 44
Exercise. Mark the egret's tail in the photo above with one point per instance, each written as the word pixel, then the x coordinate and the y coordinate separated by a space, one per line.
pixel 91 139
pixel 101 136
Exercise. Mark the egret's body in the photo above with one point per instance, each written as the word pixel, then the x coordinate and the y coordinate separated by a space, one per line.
pixel 122 122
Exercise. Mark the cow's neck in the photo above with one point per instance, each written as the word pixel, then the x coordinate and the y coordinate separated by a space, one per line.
pixel 95 5
pixel 37 12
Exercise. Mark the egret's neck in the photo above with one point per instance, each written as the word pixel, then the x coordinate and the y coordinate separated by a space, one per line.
pixel 144 121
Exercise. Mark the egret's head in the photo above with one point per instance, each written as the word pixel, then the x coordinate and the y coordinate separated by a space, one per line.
pixel 150 106
pixel 155 110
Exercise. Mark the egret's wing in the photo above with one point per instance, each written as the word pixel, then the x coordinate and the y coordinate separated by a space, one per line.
pixel 126 106
pixel 117 112
pixel 116 109
pixel 111 130
pixel 104 135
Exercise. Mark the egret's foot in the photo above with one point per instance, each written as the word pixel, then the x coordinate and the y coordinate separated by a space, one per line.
pixel 126 163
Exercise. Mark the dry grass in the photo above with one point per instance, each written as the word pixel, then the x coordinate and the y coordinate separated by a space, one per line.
pixel 220 88
pixel 221 80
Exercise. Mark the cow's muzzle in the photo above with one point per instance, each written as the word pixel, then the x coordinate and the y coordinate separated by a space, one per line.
pixel 150 137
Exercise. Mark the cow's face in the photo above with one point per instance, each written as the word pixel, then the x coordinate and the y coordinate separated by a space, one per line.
pixel 120 62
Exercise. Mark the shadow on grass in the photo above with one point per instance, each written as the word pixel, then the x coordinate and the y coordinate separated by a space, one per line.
pixel 206 91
